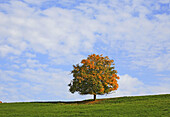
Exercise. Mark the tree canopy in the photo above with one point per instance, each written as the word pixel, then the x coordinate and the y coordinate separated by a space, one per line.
pixel 95 75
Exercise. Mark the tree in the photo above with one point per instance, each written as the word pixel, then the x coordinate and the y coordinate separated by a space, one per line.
pixel 95 75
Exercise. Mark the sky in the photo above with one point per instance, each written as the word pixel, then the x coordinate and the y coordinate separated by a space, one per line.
pixel 40 40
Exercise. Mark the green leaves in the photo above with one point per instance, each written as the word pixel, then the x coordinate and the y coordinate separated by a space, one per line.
pixel 96 75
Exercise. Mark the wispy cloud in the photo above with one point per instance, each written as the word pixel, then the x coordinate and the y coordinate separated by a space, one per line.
pixel 39 84
pixel 59 31
pixel 39 36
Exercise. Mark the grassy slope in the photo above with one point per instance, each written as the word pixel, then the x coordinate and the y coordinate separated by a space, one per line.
pixel 140 106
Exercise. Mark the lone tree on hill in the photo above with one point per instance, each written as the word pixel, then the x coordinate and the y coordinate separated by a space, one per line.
pixel 95 75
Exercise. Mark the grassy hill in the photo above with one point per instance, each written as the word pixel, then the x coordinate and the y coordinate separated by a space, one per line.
pixel 138 106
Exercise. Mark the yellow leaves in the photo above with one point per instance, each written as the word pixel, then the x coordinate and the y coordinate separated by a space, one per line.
pixel 85 76
pixel 100 77
pixel 88 61
pixel 83 61
pixel 118 77
pixel 103 75
pixel 100 67
pixel 93 72
pixel 96 71
pixel 112 89
pixel 114 81
pixel 113 75
pixel 97 57
pixel 91 66
pixel 107 81
pixel 93 63
pixel 78 77
pixel 93 55
pixel 116 87
pixel 102 90
pixel 97 68
pixel 111 61
pixel 74 67
pixel 82 74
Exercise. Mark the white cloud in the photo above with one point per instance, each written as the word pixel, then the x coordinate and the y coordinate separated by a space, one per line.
pixel 6 76
pixel 133 86
pixel 68 32
pixel 30 55
pixel 123 29
pixel 130 86
pixel 31 84
pixel 53 85
pixel 59 33
pixel 30 63
pixel 34 1
pixel 164 1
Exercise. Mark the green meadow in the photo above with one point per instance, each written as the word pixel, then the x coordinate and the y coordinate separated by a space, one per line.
pixel 137 106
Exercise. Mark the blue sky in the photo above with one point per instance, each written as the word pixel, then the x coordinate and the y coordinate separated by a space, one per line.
pixel 40 40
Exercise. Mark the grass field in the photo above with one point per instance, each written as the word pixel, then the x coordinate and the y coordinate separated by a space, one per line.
pixel 139 106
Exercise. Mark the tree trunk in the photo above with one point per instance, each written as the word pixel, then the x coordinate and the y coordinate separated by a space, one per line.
pixel 94 97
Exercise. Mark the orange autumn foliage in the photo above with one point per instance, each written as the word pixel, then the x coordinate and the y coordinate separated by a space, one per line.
pixel 95 75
